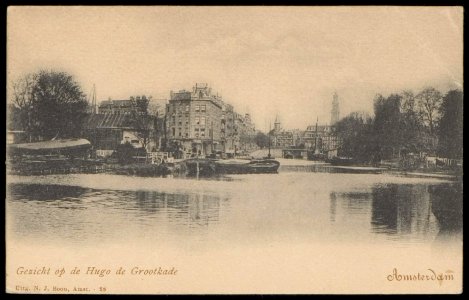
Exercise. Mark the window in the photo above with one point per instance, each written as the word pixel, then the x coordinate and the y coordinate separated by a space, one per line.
pixel 180 123
pixel 202 108
pixel 197 108
pixel 180 132
pixel 202 131
pixel 202 120
pixel 187 108
pixel 197 121
pixel 174 131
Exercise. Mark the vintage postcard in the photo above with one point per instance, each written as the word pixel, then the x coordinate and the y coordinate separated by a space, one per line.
pixel 234 150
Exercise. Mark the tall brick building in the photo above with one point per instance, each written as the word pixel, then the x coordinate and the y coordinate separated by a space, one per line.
pixel 201 123
pixel 194 120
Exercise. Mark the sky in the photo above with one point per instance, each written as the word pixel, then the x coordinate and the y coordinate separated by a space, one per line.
pixel 267 61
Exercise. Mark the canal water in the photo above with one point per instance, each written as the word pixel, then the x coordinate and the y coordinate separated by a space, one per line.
pixel 240 213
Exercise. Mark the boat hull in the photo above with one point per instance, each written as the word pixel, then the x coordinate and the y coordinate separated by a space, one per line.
pixel 201 167
pixel 341 161
pixel 209 167
pixel 263 166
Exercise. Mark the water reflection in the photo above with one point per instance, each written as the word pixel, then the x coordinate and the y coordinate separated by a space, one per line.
pixel 447 206
pixel 43 212
pixel 327 168
pixel 415 211
pixel 333 206
pixel 198 208
pixel 43 192
pixel 257 212
pixel 402 209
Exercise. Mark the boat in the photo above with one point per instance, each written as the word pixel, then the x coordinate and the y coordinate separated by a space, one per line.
pixel 200 166
pixel 315 153
pixel 211 167
pixel 341 161
pixel 316 156
pixel 67 147
pixel 241 166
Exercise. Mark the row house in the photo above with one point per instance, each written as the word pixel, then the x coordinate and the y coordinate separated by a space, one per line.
pixel 245 132
pixel 194 120
pixel 199 122
pixel 321 137
pixel 281 138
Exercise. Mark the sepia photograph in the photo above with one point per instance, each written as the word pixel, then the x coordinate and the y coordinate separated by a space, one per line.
pixel 234 150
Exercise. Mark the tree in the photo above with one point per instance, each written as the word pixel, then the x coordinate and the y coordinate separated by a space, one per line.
pixel 429 101
pixel 141 120
pixel 387 125
pixel 411 126
pixel 355 132
pixel 21 109
pixel 50 105
pixel 450 129
pixel 261 140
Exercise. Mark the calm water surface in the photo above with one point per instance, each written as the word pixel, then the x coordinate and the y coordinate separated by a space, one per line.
pixel 290 207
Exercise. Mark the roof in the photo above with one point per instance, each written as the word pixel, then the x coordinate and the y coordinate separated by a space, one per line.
pixel 320 128
pixel 119 103
pixel 64 144
pixel 95 121
pixel 108 121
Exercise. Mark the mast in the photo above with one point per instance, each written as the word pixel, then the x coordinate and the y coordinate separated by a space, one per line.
pixel 316 151
pixel 270 125
pixel 92 100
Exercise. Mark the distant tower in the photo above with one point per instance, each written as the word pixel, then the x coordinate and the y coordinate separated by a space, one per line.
pixel 277 124
pixel 335 109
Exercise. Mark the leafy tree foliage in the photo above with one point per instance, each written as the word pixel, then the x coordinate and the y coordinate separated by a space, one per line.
pixel 387 125
pixel 141 120
pixel 49 105
pixel 355 132
pixel 451 125
pixel 403 124
pixel 429 101
pixel 261 140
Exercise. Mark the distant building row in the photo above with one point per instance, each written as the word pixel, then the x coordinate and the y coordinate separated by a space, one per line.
pixel 320 137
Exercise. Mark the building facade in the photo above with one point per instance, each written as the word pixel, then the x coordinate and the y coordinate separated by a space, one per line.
pixel 194 120
pixel 281 138
pixel 200 123
pixel 124 121
pixel 322 137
